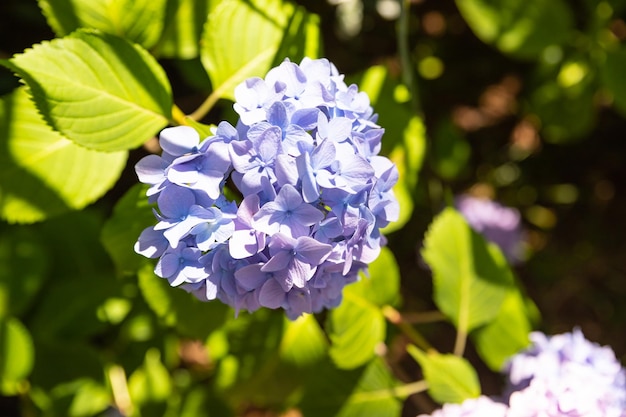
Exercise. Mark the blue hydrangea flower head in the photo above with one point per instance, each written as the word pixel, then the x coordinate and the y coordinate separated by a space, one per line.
pixel 474 407
pixel 497 223
pixel 566 375
pixel 314 194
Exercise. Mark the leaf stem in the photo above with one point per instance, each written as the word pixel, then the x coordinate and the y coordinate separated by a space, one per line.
pixel 395 317
pixel 411 388
pixel 460 342
pixel 402 29
pixel 424 317
pixel 178 115
pixel 206 105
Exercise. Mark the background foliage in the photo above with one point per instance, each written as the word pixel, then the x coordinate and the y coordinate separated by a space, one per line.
pixel 523 101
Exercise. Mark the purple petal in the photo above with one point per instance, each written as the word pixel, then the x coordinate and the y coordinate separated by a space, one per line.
pixel 250 277
pixel 179 140
pixel 312 251
pixel 272 294
pixel 151 169
pixel 278 262
pixel 174 202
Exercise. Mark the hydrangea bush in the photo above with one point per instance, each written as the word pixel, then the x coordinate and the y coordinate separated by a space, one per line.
pixel 314 194
pixel 277 192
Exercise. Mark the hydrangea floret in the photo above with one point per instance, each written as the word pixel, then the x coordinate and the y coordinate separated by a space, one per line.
pixel 566 375
pixel 482 406
pixel 313 195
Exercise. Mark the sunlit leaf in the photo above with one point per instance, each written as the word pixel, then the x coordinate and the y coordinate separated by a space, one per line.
pixel 131 215
pixel 140 21
pixel 507 334
pixel 16 355
pixel 471 278
pixel 404 141
pixel 451 379
pixel 256 31
pixel 304 342
pixel 355 328
pixel 41 172
pixel 98 90
pixel 183 30
pixel 366 391
pixel 151 382
pixel 523 28
pixel 90 399
pixel 381 286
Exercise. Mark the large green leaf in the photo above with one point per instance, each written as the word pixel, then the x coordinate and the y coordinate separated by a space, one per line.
pixel 522 28
pixel 41 172
pixel 139 21
pixel 243 38
pixel 358 326
pixel 131 216
pixel 182 32
pixel 98 90
pixel 304 342
pixel 355 328
pixel 451 379
pixel 366 391
pixel 16 355
pixel 471 277
pixel 505 336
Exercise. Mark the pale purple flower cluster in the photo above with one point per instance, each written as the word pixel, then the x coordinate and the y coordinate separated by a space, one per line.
pixel 474 407
pixel 314 194
pixel 559 376
pixel 566 375
pixel 497 223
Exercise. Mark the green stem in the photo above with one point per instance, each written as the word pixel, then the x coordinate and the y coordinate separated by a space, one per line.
pixel 394 317
pixel 405 55
pixel 178 116
pixel 206 105
pixel 411 388
pixel 460 342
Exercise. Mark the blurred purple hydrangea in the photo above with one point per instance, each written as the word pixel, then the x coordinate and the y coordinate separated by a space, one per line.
pixel 498 224
pixel 474 407
pixel 566 375
pixel 314 195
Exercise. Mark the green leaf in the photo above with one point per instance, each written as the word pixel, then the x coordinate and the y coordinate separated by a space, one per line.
pixel 358 326
pixel 98 90
pixel 91 398
pixel 471 277
pixel 178 308
pixel 505 336
pixel 522 28
pixel 258 32
pixel 131 215
pixel 16 355
pixel 451 379
pixel 355 328
pixel 366 391
pixel 24 264
pixel 304 342
pixel 612 77
pixel 182 33
pixel 451 150
pixel 139 21
pixel 151 382
pixel 382 286
pixel 565 102
pixel 404 141
pixel 42 173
